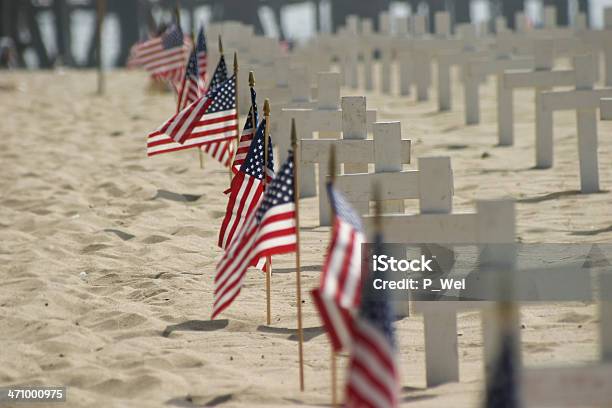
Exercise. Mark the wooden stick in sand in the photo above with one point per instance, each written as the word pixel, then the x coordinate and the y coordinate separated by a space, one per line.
pixel 334 355
pixel 298 281
pixel 100 13
pixel 237 110
pixel 268 258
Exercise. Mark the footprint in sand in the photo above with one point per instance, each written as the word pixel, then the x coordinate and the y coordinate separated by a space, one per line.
pixel 123 235
pixel 154 239
pixel 169 195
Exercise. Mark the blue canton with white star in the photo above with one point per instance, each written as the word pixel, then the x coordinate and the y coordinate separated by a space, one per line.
pixel 376 311
pixel 219 76
pixel 224 97
pixel 192 66
pixel 173 37
pixel 201 44
pixel 254 160
pixel 280 190
pixel 343 209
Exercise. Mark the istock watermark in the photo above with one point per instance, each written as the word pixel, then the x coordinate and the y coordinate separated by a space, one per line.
pixel 487 272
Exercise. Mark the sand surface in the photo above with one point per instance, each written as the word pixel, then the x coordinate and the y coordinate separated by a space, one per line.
pixel 107 257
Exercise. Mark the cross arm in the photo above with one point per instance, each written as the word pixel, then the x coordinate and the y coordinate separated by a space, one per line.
pixel 543 79
pixel 392 185
pixel 347 150
pixel 576 99
pixel 427 228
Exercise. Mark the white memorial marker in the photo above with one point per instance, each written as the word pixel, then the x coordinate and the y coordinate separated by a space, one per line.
pixel 354 149
pixel 585 101
pixel 493 223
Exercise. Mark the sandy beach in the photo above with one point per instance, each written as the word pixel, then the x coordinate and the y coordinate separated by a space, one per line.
pixel 108 257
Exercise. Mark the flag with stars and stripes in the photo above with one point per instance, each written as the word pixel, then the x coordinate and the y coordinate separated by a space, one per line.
pixel 220 75
pixel 192 86
pixel 247 187
pixel 164 56
pixel 223 150
pixel 373 379
pixel 339 293
pixel 202 53
pixel 247 133
pixel 212 118
pixel 269 230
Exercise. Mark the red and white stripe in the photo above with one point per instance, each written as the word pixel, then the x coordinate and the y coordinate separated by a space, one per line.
pixel 340 288
pixel 275 235
pixel 160 62
pixel 191 127
pixel 223 151
pixel 190 90
pixel 245 196
pixel 373 375
pixel 243 147
pixel 202 64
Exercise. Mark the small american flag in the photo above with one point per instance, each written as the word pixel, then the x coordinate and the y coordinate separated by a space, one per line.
pixel 247 187
pixel 164 56
pixel 219 76
pixel 192 86
pixel 373 379
pixel 247 133
pixel 223 150
pixel 202 53
pixel 269 230
pixel 211 118
pixel 340 289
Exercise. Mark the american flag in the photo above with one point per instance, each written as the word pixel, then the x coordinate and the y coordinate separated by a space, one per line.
pixel 247 133
pixel 269 230
pixel 222 151
pixel 211 118
pixel 220 75
pixel 202 53
pixel 340 290
pixel 192 86
pixel 247 187
pixel 373 379
pixel 164 56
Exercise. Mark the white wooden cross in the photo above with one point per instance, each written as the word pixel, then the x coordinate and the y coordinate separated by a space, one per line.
pixel 326 118
pixel 580 385
pixel 492 223
pixel 423 51
pixel 541 78
pixel 585 101
pixel 395 184
pixel 449 58
pixel 479 68
pixel 354 149
pixel 603 39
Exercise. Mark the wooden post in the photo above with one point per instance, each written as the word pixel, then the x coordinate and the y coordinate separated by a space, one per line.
pixel 237 109
pixel 100 12
pixel 332 171
pixel 298 280
pixel 265 176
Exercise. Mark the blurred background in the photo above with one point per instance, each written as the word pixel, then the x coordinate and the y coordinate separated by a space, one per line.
pixel 49 33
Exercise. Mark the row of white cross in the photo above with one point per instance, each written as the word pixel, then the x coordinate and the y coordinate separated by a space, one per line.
pixel 301 88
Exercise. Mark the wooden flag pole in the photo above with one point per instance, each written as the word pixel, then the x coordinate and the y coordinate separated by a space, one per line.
pixel 100 13
pixel 298 280
pixel 200 153
pixel 237 109
pixel 268 258
pixel 332 177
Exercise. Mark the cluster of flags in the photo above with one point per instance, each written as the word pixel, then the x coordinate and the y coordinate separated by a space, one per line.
pixel 261 218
